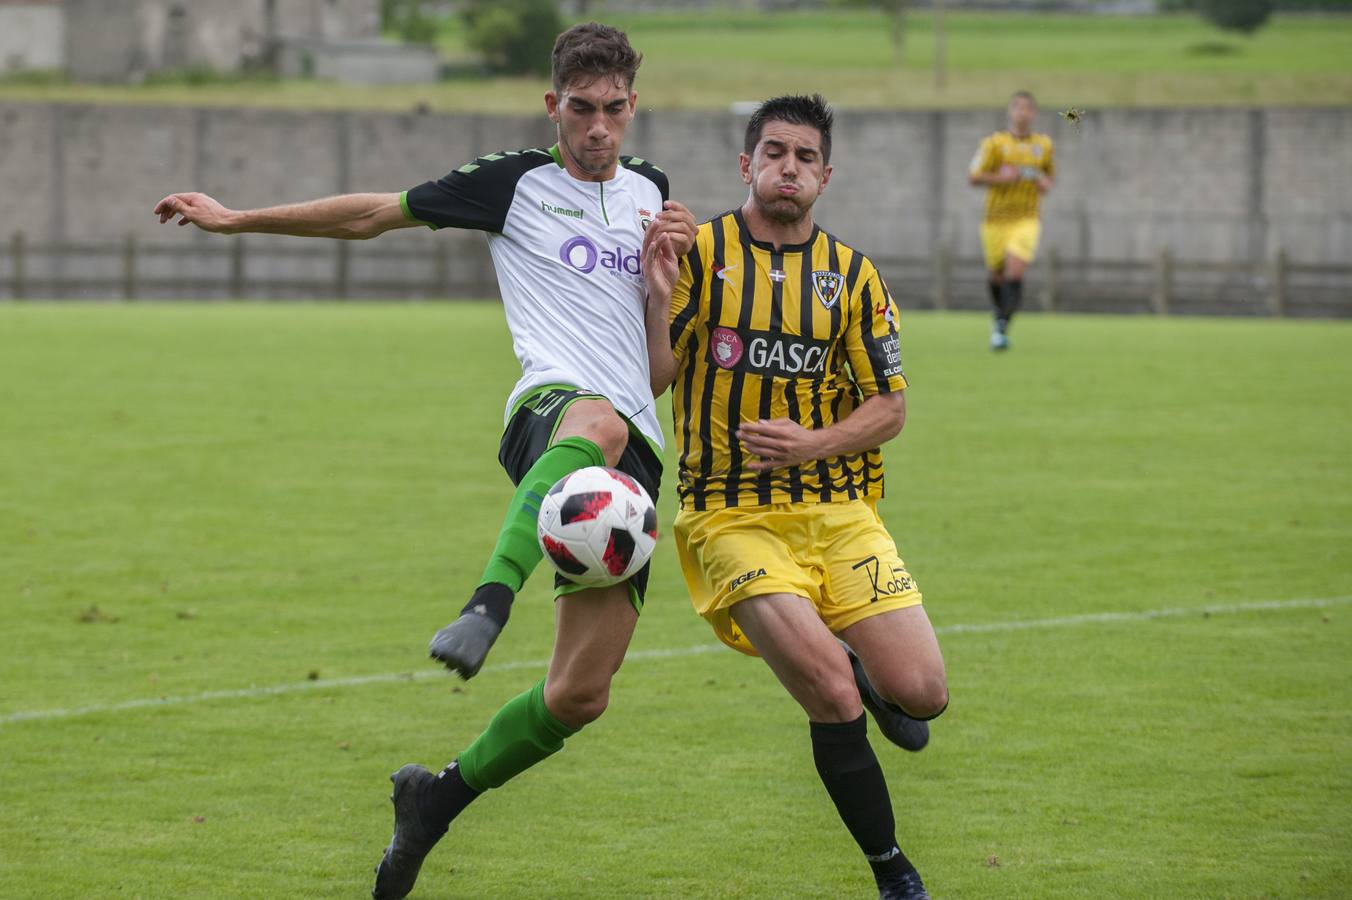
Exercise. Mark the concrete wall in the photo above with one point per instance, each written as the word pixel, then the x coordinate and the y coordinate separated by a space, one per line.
pixel 32 36
pixel 124 40
pixel 1206 185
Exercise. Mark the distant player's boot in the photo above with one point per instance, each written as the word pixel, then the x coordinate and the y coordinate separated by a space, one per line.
pixel 412 841
pixel 999 339
pixel 899 728
pixel 463 645
pixel 906 886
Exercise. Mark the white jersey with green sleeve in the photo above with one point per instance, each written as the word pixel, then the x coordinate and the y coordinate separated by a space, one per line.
pixel 567 257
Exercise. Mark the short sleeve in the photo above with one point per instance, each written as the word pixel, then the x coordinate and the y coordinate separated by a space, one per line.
pixel 685 302
pixel 1049 160
pixel 987 157
pixel 477 195
pixel 872 340
pixel 649 171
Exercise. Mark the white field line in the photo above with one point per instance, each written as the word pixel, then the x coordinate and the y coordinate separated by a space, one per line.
pixel 640 655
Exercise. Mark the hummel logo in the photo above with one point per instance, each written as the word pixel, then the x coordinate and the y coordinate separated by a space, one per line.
pixel 561 210
pixel 721 270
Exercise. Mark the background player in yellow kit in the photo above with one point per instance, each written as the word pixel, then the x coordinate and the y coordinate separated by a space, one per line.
pixel 1016 168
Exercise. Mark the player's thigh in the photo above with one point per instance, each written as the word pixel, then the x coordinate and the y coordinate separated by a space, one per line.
pixel 592 631
pixel 901 655
pixel 1021 247
pixel 595 419
pixel 535 425
pixel 730 555
pixel 802 652
pixel 865 576
pixel 993 238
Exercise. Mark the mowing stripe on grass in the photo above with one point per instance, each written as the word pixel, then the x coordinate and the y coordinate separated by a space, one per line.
pixel 639 655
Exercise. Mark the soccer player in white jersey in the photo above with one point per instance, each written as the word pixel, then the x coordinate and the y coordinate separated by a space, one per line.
pixel 567 227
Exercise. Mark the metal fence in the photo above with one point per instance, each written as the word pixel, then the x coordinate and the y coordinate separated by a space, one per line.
pixel 262 268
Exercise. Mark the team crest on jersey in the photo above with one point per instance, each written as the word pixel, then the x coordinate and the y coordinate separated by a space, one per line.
pixel 827 286
pixel 645 218
pixel 1036 150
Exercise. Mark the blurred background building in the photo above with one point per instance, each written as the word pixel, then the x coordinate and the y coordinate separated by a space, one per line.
pixel 130 40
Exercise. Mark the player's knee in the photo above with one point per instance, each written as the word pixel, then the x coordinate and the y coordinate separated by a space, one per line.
pixel 930 699
pixel 923 695
pixel 580 704
pixel 836 700
pixel 611 434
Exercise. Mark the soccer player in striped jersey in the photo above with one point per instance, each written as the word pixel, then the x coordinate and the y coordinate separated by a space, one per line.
pixel 784 359
pixel 1016 168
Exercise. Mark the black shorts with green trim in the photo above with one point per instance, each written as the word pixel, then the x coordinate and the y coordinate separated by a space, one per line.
pixel 529 433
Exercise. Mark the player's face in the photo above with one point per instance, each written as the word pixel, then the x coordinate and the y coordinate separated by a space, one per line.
pixel 1022 112
pixel 786 171
pixel 592 116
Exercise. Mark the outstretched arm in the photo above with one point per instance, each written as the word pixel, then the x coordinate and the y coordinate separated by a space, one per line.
pixel 348 216
pixel 783 442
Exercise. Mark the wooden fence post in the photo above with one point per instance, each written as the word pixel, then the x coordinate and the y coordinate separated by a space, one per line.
pixel 1280 275
pixel 1159 298
pixel 441 271
pixel 129 267
pixel 341 269
pixel 237 268
pixel 1050 283
pixel 18 279
pixel 943 276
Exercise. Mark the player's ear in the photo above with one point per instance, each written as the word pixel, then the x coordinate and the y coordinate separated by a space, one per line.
pixel 552 105
pixel 744 162
pixel 826 176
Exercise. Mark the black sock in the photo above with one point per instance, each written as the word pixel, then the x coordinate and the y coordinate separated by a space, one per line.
pixel 492 600
pixel 1011 295
pixel 444 799
pixel 995 294
pixel 855 781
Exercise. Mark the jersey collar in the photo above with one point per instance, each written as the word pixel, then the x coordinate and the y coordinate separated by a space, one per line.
pixel 745 234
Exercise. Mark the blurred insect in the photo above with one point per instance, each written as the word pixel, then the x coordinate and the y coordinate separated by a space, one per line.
pixel 1073 116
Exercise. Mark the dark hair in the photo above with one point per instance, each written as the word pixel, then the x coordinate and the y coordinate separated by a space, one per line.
pixel 595 50
pixel 1026 95
pixel 796 110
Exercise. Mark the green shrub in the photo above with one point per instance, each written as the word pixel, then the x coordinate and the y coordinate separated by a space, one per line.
pixel 1237 15
pixel 406 20
pixel 513 36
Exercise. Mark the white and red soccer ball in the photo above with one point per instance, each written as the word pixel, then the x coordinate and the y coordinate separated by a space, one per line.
pixel 597 526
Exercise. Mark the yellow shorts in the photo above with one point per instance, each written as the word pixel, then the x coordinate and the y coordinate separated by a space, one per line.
pixel 1017 238
pixel 837 555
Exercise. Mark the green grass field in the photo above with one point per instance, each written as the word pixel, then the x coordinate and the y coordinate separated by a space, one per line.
pixel 264 500
pixel 709 60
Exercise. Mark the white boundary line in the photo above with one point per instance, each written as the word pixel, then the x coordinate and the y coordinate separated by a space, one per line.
pixel 639 655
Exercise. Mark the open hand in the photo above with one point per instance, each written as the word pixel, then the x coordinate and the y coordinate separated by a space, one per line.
pixel 199 209
pixel 660 266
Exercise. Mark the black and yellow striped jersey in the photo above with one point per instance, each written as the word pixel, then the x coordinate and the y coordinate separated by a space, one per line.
pixel 1032 156
pixel 805 332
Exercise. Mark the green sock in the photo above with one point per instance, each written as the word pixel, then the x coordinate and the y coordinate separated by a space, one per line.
pixel 522 733
pixel 517 552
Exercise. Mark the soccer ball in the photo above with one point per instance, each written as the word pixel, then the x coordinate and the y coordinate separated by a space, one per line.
pixel 597 526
